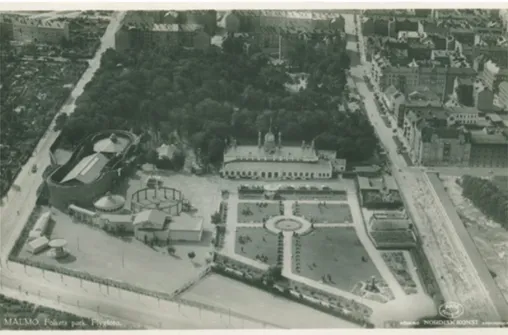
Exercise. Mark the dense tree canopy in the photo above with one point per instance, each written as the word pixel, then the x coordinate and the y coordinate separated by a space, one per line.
pixel 209 96
pixel 485 195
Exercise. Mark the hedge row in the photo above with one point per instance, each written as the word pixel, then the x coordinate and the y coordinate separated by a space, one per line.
pixel 260 284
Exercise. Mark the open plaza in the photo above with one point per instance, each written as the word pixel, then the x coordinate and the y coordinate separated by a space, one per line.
pixel 123 257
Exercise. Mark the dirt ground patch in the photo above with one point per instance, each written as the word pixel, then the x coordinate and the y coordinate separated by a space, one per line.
pixel 227 293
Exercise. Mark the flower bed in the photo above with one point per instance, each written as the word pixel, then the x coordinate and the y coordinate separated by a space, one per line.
pixel 399 267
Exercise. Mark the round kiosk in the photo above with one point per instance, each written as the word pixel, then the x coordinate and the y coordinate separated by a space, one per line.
pixel 109 203
pixel 57 247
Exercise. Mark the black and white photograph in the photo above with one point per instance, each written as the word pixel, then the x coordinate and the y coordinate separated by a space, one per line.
pixel 268 169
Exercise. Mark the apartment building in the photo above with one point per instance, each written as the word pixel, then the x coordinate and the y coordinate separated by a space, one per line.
pixel 37 31
pixel 137 36
pixel 409 76
pixel 503 15
pixel 493 75
pixel 437 145
pixel 489 147
pixel 493 46
pixel 483 97
pixel 420 99
pixel 503 94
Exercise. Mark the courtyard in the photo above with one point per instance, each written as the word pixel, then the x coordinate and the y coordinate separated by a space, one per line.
pixel 333 256
pixel 257 243
pixel 258 212
pixel 323 212
pixel 93 251
pixel 124 259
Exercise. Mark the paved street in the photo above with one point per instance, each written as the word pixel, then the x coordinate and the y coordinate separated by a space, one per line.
pixel 457 277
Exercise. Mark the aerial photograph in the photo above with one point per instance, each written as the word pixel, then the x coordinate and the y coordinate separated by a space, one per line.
pixel 253 169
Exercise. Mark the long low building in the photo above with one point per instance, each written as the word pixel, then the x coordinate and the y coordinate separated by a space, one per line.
pixel 153 224
pixel 272 160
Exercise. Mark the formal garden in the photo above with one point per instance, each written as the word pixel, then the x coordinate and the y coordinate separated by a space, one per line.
pixel 333 256
pixel 323 212
pixel 258 212
pixel 399 267
pixel 258 244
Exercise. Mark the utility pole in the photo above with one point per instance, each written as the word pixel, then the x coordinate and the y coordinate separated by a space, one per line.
pixel 123 259
pixel 78 243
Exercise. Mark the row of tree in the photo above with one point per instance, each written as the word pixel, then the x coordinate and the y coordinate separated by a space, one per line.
pixel 485 195
pixel 212 95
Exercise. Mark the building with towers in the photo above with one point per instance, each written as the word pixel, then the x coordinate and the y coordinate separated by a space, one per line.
pixel 272 160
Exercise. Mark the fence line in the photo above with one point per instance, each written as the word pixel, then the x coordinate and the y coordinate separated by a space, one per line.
pixel 123 294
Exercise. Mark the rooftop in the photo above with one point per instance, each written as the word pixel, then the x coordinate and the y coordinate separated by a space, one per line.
pixel 390 215
pixel 110 202
pixel 39 23
pixel 320 166
pixel 494 117
pixel 423 94
pixel 390 183
pixel 462 110
pixel 441 132
pixel 386 182
pixel 154 216
pixel 186 222
pixel 284 154
pixel 112 144
pixel 88 169
pixel 486 137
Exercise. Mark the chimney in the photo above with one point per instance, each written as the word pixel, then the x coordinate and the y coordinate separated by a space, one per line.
pixel 259 139
pixel 280 139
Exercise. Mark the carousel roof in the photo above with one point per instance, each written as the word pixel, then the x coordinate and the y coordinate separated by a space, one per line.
pixel 110 202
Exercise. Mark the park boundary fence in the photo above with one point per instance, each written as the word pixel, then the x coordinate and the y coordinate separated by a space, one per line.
pixel 192 282
pixel 223 311
pixel 153 298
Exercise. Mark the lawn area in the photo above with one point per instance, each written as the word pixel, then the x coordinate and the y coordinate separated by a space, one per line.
pixel 257 243
pixel 501 182
pixel 324 213
pixel 334 254
pixel 128 260
pixel 257 211
pixel 228 293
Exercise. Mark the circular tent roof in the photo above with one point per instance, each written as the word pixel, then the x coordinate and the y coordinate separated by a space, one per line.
pixel 110 203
